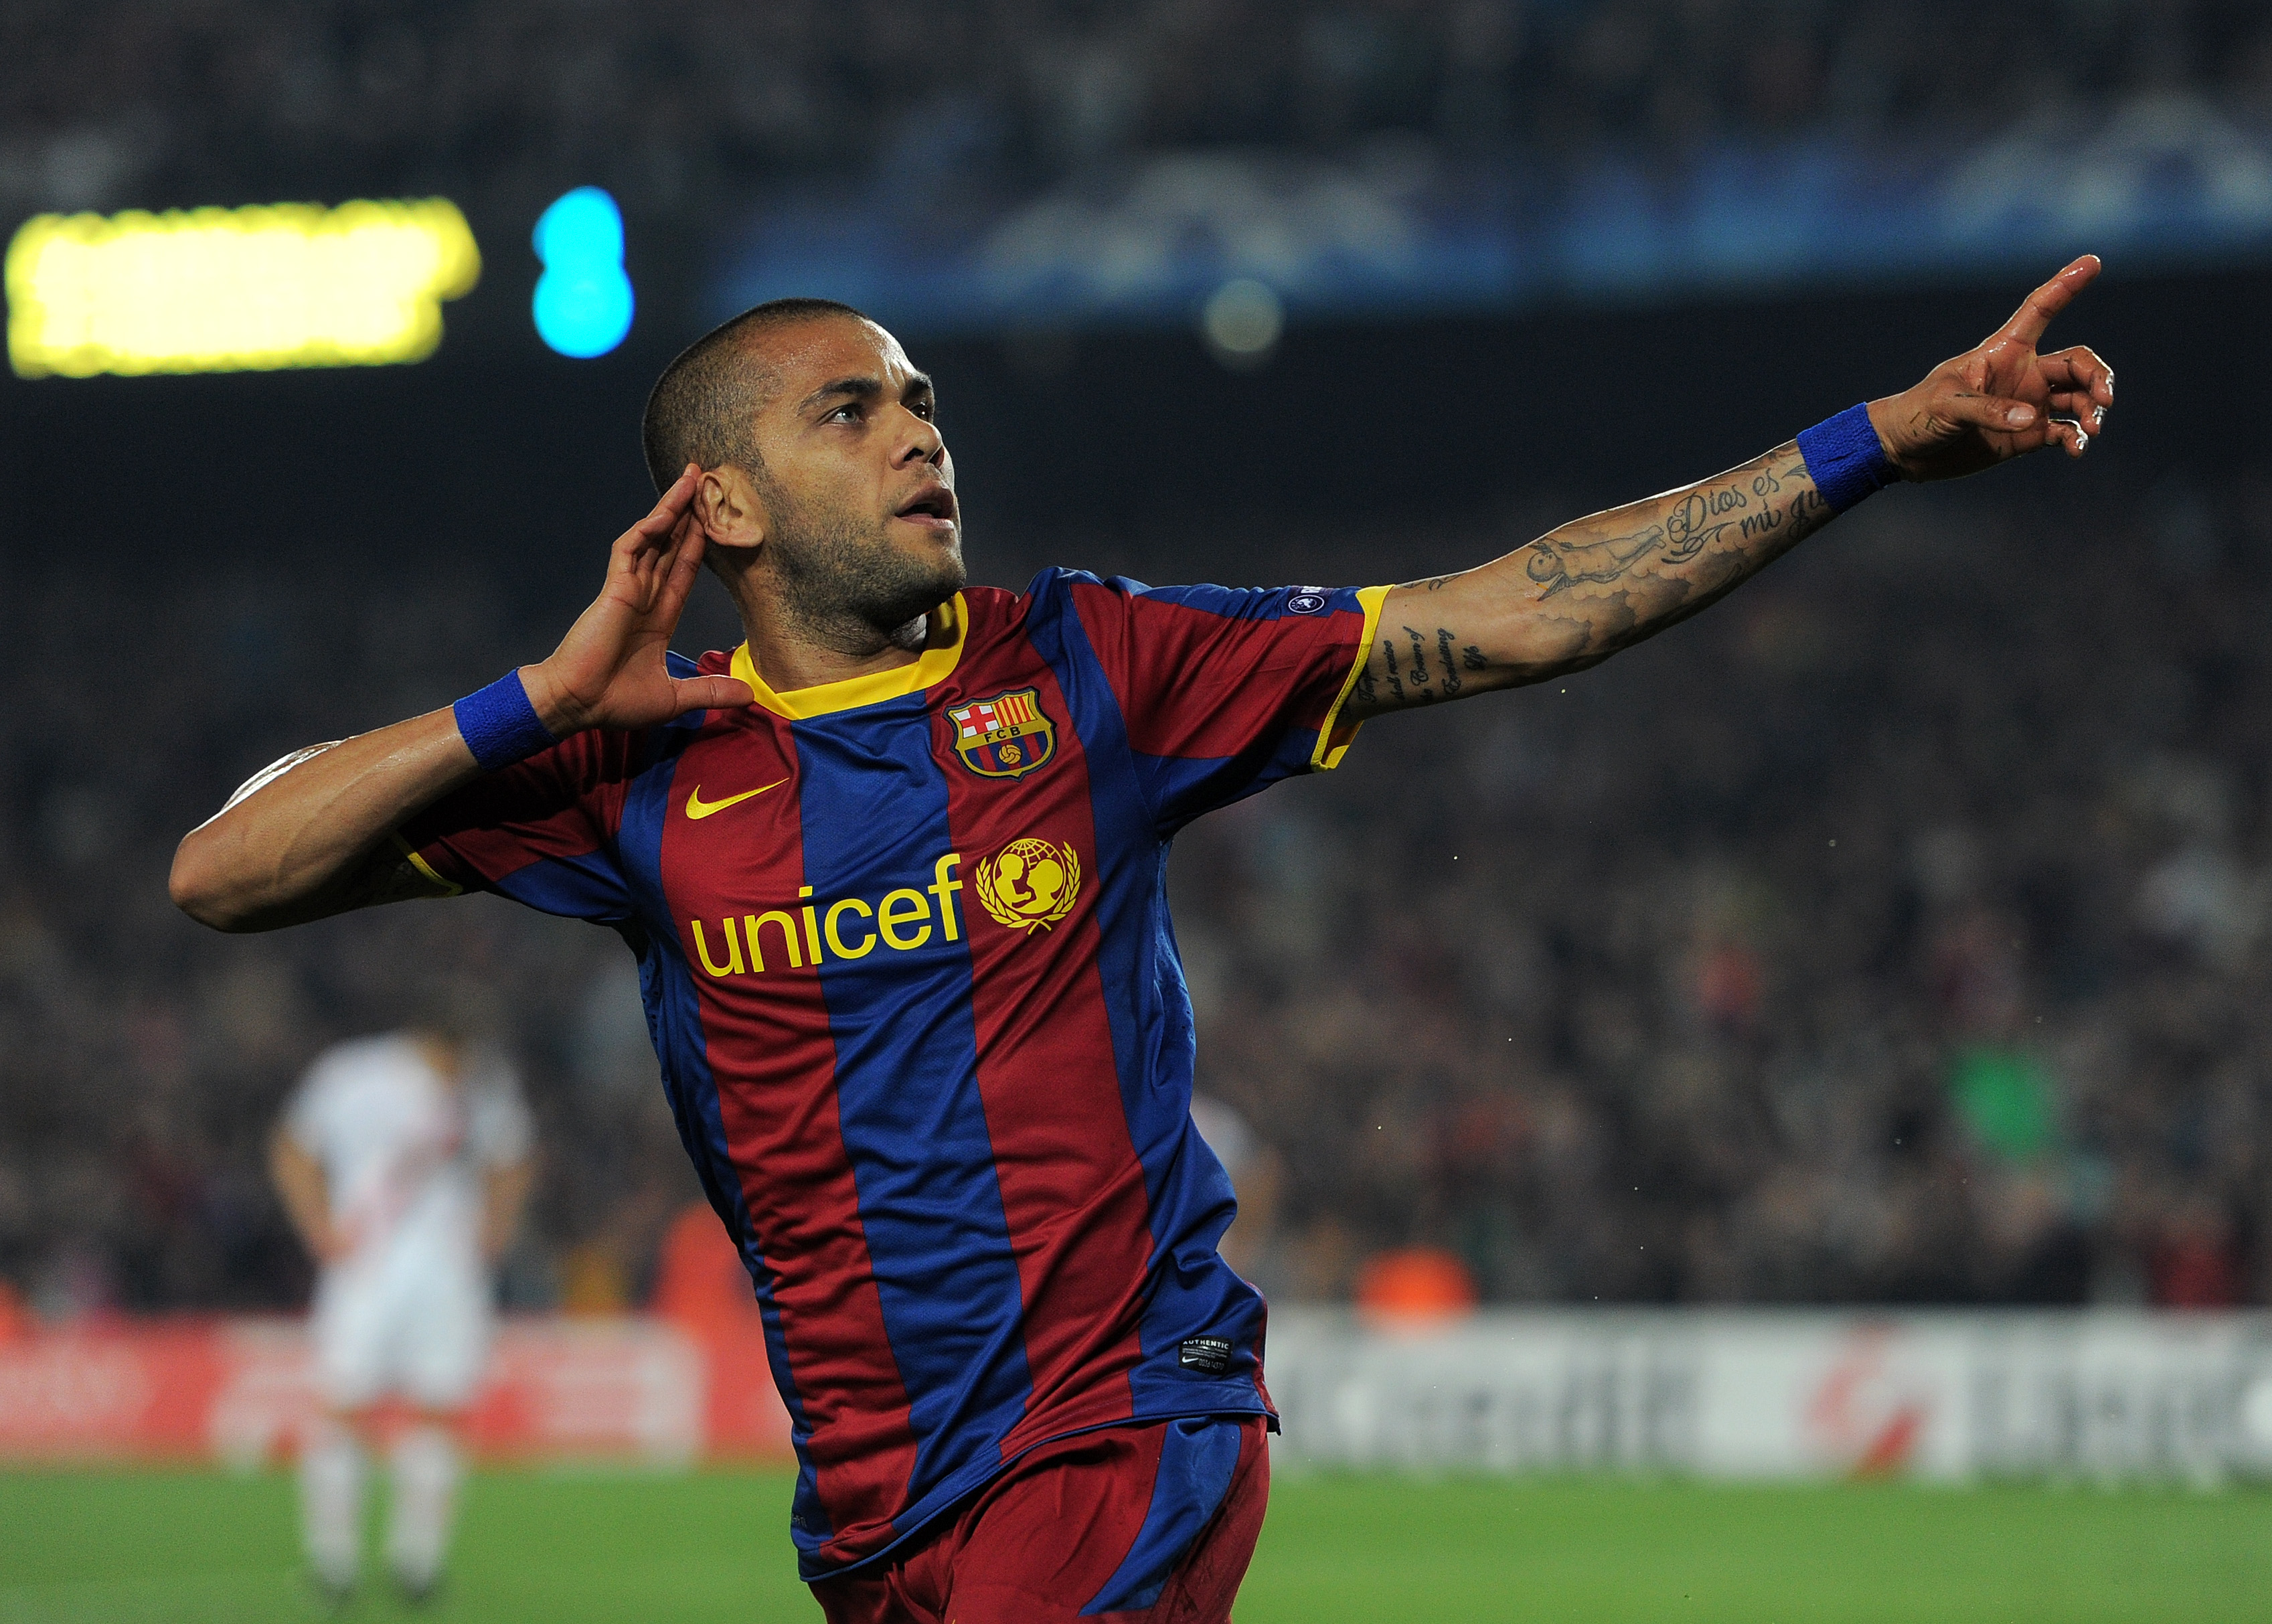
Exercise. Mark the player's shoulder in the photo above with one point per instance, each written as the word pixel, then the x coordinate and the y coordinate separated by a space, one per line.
pixel 991 609
pixel 1058 582
pixel 1123 596
pixel 1056 600
pixel 1055 592
pixel 357 1063
pixel 995 616
pixel 1107 609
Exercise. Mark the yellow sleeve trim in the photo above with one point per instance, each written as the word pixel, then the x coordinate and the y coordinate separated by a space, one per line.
pixel 1335 736
pixel 444 887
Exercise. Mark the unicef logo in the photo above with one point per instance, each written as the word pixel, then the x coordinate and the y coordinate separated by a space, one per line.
pixel 1308 601
pixel 1031 884
pixel 583 303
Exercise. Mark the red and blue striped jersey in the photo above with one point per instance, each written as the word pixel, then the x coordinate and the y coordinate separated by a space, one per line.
pixel 904 946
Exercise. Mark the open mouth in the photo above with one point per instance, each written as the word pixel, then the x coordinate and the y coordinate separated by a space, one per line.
pixel 933 504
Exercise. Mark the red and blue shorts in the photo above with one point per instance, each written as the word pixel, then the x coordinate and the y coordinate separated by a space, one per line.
pixel 1150 1522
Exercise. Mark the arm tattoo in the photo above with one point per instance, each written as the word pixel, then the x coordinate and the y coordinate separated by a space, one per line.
pixel 1628 574
pixel 1589 588
pixel 1443 652
pixel 1559 564
pixel 1417 679
pixel 1418 674
pixel 1388 666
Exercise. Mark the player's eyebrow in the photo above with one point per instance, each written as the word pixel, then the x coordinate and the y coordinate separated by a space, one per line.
pixel 865 387
pixel 860 387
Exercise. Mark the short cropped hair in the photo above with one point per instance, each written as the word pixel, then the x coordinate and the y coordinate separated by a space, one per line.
pixel 701 409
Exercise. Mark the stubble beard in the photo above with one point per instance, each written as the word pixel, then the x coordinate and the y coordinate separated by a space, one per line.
pixel 843 584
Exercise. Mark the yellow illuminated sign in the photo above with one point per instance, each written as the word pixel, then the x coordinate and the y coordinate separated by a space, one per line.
pixel 229 290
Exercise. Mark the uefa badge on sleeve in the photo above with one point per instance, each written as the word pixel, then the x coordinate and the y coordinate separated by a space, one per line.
pixel 1005 736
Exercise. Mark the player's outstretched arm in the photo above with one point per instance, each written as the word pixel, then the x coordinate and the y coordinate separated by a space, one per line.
pixel 1581 593
pixel 311 835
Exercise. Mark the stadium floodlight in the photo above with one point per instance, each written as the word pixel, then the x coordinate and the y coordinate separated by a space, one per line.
pixel 231 290
pixel 583 301
pixel 1242 322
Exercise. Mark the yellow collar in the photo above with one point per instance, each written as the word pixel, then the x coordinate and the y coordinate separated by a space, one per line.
pixel 933 665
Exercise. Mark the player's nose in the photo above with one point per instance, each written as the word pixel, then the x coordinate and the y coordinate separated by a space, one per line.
pixel 921 442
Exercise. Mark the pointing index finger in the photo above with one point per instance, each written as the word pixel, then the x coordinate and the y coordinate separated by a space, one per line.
pixel 2029 321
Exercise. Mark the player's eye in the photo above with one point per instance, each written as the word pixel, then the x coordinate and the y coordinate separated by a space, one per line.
pixel 849 412
pixel 924 409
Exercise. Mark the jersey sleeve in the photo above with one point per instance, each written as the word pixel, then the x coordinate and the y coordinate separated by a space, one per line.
pixel 1227 690
pixel 542 832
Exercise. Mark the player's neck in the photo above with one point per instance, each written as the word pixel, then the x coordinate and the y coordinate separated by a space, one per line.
pixel 793 651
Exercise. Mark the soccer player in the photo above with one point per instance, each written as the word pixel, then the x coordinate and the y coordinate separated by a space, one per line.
pixel 403 1162
pixel 893 870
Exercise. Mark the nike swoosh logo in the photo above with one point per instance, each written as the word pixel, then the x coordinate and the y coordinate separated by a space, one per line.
pixel 697 807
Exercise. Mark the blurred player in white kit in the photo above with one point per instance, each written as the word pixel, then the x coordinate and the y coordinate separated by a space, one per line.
pixel 404 1162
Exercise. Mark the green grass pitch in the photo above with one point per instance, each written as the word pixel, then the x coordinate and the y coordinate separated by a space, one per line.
pixel 77 1547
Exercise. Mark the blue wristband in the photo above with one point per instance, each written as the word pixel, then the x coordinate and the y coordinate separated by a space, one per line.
pixel 500 724
pixel 1845 459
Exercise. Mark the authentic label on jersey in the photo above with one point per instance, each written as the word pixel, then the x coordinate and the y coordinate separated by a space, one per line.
pixel 1210 1356
pixel 1005 736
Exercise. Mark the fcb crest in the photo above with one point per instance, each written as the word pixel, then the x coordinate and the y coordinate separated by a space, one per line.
pixel 1005 736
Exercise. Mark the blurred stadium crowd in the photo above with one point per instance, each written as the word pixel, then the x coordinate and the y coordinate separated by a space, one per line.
pixel 684 103
pixel 1896 932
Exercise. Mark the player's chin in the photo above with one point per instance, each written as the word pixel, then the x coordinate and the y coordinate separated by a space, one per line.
pixel 920 578
pixel 936 545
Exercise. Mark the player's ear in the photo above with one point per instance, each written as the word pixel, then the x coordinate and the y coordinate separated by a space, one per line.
pixel 729 508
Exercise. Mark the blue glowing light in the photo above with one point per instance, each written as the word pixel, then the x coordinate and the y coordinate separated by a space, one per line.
pixel 583 303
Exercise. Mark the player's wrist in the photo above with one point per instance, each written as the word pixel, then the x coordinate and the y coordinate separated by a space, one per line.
pixel 501 723
pixel 1885 415
pixel 1848 457
pixel 555 706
